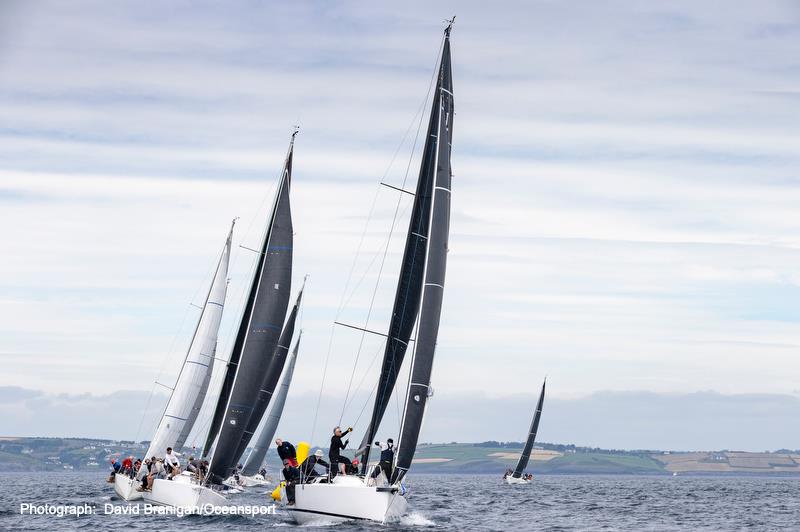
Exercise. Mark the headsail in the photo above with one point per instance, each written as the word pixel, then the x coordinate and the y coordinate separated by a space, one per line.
pixel 435 267
pixel 526 452
pixel 270 424
pixel 270 378
pixel 260 326
pixel 190 388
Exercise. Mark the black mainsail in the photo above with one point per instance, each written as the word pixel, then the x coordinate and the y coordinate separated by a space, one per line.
pixel 258 333
pixel 409 287
pixel 526 452
pixel 438 142
pixel 271 378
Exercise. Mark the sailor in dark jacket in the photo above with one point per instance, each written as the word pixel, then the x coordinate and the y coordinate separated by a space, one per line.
pixel 387 459
pixel 308 469
pixel 334 453
pixel 286 451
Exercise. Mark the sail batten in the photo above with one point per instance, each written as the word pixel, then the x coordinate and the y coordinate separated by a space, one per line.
pixel 526 451
pixel 190 388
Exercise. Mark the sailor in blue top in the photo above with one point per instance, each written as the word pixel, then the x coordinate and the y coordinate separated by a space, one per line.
pixel 387 459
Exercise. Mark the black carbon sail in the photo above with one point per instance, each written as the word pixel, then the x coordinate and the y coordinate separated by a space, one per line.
pixel 438 141
pixel 526 452
pixel 270 379
pixel 409 288
pixel 258 333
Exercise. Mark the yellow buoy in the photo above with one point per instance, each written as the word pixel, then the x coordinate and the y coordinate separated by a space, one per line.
pixel 276 493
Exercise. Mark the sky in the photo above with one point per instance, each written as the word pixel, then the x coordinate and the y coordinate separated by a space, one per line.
pixel 624 204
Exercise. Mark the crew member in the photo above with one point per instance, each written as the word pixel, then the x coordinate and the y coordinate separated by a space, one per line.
pixel 286 451
pixel 387 459
pixel 171 463
pixel 334 453
pixel 308 469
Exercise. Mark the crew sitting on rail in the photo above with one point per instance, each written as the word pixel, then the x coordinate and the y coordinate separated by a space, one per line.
pixel 143 475
pixel 115 467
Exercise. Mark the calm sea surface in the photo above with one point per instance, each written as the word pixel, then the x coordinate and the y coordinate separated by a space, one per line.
pixel 465 502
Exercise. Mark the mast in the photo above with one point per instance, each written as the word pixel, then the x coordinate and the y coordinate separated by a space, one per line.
pixel 270 378
pixel 409 286
pixel 180 414
pixel 270 425
pixel 526 452
pixel 435 269
pixel 258 333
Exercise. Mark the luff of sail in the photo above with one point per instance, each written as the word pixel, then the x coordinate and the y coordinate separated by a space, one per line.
pixel 435 270
pixel 409 289
pixel 270 424
pixel 190 388
pixel 271 378
pixel 526 451
pixel 258 333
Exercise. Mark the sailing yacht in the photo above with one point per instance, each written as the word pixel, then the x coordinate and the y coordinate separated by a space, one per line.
pixel 247 376
pixel 184 404
pixel 418 299
pixel 516 477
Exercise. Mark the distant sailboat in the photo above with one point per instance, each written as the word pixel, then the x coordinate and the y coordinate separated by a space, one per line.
pixel 181 411
pixel 418 297
pixel 516 477
pixel 259 328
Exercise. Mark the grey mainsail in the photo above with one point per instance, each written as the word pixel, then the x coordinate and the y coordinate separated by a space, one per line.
pixel 270 424
pixel 260 326
pixel 271 379
pixel 435 268
pixel 526 452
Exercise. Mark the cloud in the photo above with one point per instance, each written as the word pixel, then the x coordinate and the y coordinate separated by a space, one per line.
pixel 625 190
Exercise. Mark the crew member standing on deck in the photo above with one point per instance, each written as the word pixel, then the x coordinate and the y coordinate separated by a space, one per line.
pixel 342 463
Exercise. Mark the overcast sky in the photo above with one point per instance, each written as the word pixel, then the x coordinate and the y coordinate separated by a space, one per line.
pixel 625 195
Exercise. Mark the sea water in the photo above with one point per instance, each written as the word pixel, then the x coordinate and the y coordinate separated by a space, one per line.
pixel 445 502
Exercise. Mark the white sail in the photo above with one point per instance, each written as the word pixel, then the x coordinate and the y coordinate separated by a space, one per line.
pixel 183 405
